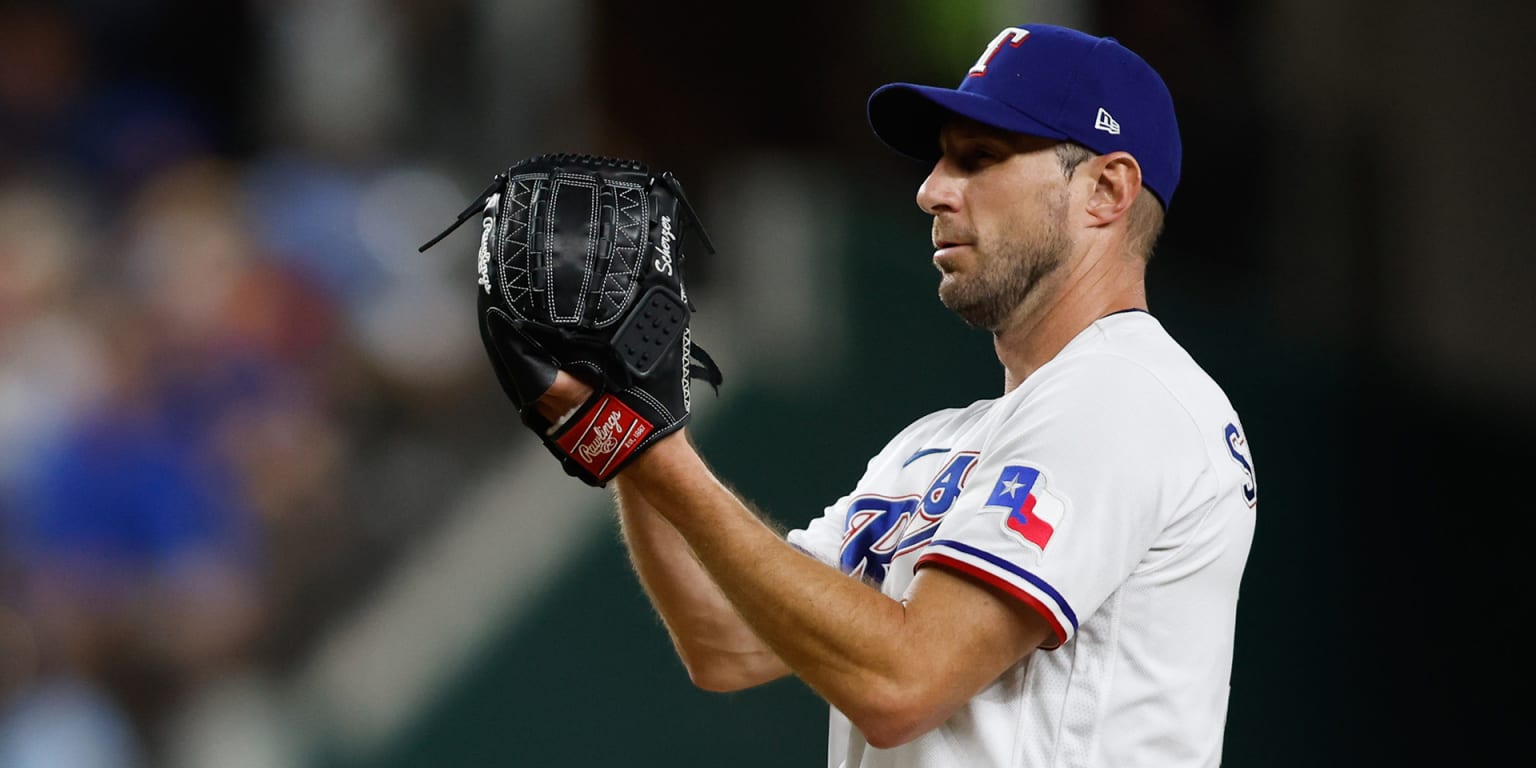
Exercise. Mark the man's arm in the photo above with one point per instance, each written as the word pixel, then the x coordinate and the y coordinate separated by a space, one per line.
pixel 720 651
pixel 897 669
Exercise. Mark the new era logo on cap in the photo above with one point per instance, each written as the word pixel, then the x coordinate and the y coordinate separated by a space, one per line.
pixel 1103 122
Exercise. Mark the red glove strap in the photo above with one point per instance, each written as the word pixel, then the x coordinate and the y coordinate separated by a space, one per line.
pixel 602 438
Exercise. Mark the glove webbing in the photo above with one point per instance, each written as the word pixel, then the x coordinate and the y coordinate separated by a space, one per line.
pixel 700 364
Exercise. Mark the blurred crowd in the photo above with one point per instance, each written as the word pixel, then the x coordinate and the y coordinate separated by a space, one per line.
pixel 232 393
pixel 230 389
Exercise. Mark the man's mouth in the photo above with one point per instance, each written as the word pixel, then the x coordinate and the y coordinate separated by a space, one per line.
pixel 948 240
pixel 946 247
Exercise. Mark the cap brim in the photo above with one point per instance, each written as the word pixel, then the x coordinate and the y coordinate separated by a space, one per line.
pixel 908 117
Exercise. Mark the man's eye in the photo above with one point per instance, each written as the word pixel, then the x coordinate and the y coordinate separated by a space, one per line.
pixel 979 156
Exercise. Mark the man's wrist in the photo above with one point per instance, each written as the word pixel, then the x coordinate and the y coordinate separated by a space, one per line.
pixel 661 459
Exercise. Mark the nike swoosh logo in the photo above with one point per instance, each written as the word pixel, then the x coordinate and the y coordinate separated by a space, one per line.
pixel 923 452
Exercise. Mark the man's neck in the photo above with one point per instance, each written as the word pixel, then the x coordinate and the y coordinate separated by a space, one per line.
pixel 1062 308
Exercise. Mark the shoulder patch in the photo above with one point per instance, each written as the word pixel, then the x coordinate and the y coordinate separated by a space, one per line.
pixel 1033 510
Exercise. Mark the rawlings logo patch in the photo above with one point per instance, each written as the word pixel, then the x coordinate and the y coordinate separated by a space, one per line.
pixel 605 436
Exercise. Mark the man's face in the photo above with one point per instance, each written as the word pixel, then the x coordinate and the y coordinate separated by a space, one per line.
pixel 999 204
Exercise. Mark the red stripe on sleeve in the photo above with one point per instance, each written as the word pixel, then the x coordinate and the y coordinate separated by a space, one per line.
pixel 964 568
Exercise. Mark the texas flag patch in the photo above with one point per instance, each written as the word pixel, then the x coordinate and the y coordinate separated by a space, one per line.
pixel 1033 512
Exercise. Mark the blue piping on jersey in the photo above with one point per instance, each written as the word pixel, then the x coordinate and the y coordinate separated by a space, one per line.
pixel 921 453
pixel 1013 569
pixel 1123 311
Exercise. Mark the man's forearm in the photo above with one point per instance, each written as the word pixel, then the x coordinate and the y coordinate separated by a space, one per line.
pixel 842 637
pixel 720 650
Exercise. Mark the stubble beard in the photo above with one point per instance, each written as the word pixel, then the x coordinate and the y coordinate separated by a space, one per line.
pixel 988 298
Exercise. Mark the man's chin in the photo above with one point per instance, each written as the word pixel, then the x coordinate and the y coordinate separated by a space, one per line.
pixel 975 314
pixel 948 293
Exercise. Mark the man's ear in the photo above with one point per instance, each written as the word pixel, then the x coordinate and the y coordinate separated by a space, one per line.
pixel 1116 184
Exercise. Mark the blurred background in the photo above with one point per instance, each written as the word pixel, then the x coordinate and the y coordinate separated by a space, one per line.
pixel 262 504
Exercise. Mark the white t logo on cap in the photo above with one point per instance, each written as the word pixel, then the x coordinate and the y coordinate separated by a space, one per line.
pixel 1012 35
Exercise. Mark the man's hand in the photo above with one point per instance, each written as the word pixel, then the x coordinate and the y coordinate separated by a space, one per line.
pixel 562 398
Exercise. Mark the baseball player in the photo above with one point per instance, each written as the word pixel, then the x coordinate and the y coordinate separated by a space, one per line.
pixel 1048 578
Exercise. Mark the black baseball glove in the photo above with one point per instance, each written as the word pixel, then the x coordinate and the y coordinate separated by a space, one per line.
pixel 580 265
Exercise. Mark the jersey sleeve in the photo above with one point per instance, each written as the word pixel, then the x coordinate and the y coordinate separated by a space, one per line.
pixel 1071 489
pixel 822 538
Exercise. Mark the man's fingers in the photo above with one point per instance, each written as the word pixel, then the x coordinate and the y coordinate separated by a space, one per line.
pixel 562 397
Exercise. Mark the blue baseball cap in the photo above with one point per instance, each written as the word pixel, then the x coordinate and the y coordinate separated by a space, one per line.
pixel 1051 82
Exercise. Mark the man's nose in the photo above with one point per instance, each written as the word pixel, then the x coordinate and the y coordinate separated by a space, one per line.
pixel 941 190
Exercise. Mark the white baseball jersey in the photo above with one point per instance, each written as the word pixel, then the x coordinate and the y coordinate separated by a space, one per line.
pixel 1113 492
